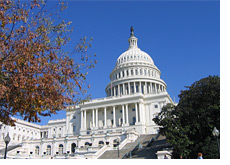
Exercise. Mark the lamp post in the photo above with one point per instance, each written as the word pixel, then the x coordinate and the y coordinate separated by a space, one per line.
pixel 216 133
pixel 7 141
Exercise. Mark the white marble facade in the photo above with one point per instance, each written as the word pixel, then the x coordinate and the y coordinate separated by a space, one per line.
pixel 134 96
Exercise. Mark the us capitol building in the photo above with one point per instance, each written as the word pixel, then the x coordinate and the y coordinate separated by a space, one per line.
pixel 135 95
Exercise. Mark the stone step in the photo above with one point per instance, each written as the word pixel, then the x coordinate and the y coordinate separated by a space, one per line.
pixel 113 154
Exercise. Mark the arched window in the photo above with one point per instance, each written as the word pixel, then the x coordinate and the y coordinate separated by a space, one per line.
pixel 100 143
pixel 60 149
pixel 115 143
pixel 37 150
pixel 86 143
pixel 48 150
pixel 73 146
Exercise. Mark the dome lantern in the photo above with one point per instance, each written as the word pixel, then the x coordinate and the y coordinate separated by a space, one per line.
pixel 132 39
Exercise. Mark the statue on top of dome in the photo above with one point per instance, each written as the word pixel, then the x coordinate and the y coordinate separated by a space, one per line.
pixel 131 29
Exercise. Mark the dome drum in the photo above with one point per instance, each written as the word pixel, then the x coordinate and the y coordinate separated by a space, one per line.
pixel 133 87
pixel 138 72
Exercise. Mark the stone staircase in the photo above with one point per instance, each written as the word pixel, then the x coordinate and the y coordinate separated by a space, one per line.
pixel 10 148
pixel 149 151
pixel 143 140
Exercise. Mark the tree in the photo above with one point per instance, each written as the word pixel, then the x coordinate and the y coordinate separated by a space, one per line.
pixel 188 126
pixel 38 77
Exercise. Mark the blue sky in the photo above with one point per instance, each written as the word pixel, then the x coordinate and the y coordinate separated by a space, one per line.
pixel 182 37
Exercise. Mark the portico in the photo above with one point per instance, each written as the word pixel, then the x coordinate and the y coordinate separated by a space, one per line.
pixel 112 116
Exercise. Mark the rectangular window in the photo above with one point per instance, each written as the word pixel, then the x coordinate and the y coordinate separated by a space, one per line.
pixel 134 120
pixel 156 106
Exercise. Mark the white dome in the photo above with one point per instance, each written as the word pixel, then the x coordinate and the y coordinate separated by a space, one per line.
pixel 134 55
pixel 134 72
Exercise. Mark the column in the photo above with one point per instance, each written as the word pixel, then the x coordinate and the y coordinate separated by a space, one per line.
pixel 140 111
pixel 84 119
pixel 127 115
pixel 111 89
pixel 41 150
pixel 134 86
pixel 65 149
pixel 155 86
pixel 129 88
pixel 145 89
pixel 114 91
pixel 151 88
pixel 114 117
pixel 123 89
pixel 67 123
pixel 140 87
pixel 147 113
pixel 49 133
pixel 96 118
pixel 105 119
pixel 53 149
pixel 70 130
pixel 137 120
pixel 93 118
pixel 119 92
pixel 123 115
pixel 143 113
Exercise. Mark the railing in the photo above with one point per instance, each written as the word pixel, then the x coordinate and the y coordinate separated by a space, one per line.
pixel 129 154
pixel 103 131
pixel 98 153
pixel 153 140
pixel 123 143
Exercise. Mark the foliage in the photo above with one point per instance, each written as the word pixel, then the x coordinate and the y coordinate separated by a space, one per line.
pixel 188 126
pixel 37 76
